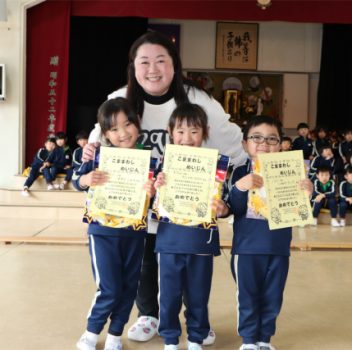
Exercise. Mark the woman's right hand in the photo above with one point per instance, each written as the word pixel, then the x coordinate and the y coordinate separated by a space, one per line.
pixel 89 151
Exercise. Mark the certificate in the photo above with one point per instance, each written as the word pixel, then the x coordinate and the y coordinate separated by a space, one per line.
pixel 123 195
pixel 190 183
pixel 288 204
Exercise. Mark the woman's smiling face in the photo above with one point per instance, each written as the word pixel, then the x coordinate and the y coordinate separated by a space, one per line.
pixel 154 69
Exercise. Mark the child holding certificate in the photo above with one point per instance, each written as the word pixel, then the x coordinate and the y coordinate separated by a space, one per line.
pixel 116 250
pixel 185 253
pixel 260 256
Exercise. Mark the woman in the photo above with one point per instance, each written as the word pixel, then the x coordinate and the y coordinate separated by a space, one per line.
pixel 155 87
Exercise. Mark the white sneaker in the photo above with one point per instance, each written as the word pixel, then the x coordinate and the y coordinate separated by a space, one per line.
pixel 171 347
pixel 85 343
pixel 249 347
pixel 50 187
pixel 342 222
pixel 25 192
pixel 194 346
pixel 315 222
pixel 144 329
pixel 210 339
pixel 56 186
pixel 265 346
pixel 62 186
pixel 335 223
pixel 113 342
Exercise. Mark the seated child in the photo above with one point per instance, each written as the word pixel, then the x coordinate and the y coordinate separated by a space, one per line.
pixel 38 161
pixel 325 159
pixel 59 161
pixel 345 195
pixel 260 256
pixel 321 140
pixel 348 161
pixel 324 195
pixel 82 140
pixel 345 147
pixel 303 141
pixel 186 252
pixel 335 142
pixel 286 144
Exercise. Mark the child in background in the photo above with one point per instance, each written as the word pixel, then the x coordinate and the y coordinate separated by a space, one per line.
pixel 345 147
pixel 82 140
pixel 186 253
pixel 348 161
pixel 116 253
pixel 322 140
pixel 38 162
pixel 324 195
pixel 335 142
pixel 325 159
pixel 286 144
pixel 59 161
pixel 303 141
pixel 345 195
pixel 260 256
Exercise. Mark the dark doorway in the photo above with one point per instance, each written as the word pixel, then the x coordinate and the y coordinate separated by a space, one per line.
pixel 98 65
pixel 335 81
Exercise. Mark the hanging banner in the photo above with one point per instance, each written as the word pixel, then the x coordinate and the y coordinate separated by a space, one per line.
pixel 48 29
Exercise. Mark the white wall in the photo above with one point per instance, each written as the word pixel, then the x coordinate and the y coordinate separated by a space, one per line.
pixel 283 47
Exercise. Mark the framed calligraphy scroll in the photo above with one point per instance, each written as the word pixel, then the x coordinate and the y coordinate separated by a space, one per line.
pixel 236 45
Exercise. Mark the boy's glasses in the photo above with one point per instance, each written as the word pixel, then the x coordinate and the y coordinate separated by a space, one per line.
pixel 270 140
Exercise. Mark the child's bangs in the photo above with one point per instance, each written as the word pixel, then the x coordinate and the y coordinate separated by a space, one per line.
pixel 190 120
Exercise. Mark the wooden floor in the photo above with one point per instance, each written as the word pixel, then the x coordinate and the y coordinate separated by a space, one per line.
pixel 46 291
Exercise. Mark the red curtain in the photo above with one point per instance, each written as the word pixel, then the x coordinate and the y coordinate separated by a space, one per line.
pixel 305 11
pixel 48 28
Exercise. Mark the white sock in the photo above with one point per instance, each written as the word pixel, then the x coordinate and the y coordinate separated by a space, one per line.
pixel 113 338
pixel 92 337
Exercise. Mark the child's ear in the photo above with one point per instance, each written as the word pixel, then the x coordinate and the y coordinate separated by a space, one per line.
pixel 244 144
pixel 170 136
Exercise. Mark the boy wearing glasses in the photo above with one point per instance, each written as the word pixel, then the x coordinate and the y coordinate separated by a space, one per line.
pixel 260 256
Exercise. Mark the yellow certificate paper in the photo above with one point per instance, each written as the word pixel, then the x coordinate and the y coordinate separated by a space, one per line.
pixel 123 195
pixel 190 182
pixel 288 204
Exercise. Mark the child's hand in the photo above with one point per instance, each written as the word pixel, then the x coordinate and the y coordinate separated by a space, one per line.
pixel 249 181
pixel 220 208
pixel 149 187
pixel 45 165
pixel 307 186
pixel 319 197
pixel 89 151
pixel 160 180
pixel 349 200
pixel 94 178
